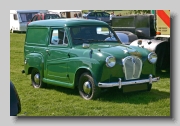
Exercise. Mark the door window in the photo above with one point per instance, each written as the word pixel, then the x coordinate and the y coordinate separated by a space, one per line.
pixel 92 14
pixel 106 14
pixel 99 14
pixel 59 37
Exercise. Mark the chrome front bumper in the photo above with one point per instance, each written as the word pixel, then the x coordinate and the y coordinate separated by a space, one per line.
pixel 120 83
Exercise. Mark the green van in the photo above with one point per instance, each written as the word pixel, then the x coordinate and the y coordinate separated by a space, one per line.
pixel 85 54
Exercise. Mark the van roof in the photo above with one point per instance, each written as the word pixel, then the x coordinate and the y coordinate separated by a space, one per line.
pixel 66 22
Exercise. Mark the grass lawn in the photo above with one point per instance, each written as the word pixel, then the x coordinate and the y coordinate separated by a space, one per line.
pixel 59 101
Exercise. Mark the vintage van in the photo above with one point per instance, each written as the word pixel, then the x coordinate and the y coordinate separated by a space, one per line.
pixel 85 54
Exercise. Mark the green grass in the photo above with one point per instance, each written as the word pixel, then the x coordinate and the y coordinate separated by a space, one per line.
pixel 59 101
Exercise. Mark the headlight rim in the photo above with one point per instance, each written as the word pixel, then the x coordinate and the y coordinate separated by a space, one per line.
pixel 107 64
pixel 150 55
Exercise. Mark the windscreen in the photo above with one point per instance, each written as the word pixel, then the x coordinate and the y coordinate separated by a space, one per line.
pixel 92 34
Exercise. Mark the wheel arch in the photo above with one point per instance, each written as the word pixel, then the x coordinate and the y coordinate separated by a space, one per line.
pixel 38 64
pixel 79 72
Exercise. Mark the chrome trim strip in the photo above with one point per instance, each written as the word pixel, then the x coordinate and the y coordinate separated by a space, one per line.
pixel 120 83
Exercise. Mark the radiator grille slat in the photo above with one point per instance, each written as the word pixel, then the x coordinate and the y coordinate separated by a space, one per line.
pixel 132 67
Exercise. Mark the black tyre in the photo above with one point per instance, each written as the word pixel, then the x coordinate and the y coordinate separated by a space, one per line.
pixel 149 87
pixel 36 79
pixel 87 89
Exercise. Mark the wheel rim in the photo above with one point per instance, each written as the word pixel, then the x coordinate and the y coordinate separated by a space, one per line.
pixel 37 79
pixel 87 87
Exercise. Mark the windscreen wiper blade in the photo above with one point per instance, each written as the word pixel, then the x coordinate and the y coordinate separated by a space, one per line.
pixel 78 39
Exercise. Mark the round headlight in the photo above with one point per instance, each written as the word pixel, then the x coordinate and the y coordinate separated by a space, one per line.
pixel 110 61
pixel 152 57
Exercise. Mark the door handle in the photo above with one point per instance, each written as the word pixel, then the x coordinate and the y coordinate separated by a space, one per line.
pixel 68 55
pixel 47 52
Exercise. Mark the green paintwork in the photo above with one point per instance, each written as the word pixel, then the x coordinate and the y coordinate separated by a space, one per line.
pixel 65 23
pixel 60 63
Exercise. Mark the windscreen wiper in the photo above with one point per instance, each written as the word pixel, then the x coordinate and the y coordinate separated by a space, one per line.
pixel 78 39
pixel 92 40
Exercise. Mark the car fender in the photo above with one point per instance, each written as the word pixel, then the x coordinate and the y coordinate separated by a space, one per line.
pixel 83 69
pixel 161 48
pixel 151 45
pixel 34 60
pixel 91 65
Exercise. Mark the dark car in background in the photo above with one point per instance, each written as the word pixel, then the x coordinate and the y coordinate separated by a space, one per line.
pixel 44 16
pixel 126 37
pixel 103 16
pixel 15 104
pixel 153 45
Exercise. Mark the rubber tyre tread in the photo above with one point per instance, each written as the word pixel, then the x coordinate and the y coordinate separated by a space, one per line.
pixel 95 90
pixel 42 85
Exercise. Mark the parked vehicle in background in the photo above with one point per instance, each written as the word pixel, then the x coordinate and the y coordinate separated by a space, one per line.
pixel 141 25
pixel 84 15
pixel 152 45
pixel 162 24
pixel 44 16
pixel 103 16
pixel 144 27
pixel 15 103
pixel 69 13
pixel 86 54
pixel 126 37
pixel 20 18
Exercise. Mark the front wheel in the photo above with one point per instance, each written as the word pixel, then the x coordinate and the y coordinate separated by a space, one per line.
pixel 87 89
pixel 36 80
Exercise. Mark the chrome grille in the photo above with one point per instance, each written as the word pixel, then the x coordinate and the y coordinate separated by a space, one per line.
pixel 132 67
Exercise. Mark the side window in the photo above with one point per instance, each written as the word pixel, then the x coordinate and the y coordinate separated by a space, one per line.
pixel 106 14
pixel 59 37
pixel 37 36
pixel 92 14
pixel 47 16
pixel 99 14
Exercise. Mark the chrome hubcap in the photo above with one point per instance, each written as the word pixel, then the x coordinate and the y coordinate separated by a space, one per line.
pixel 37 78
pixel 87 87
